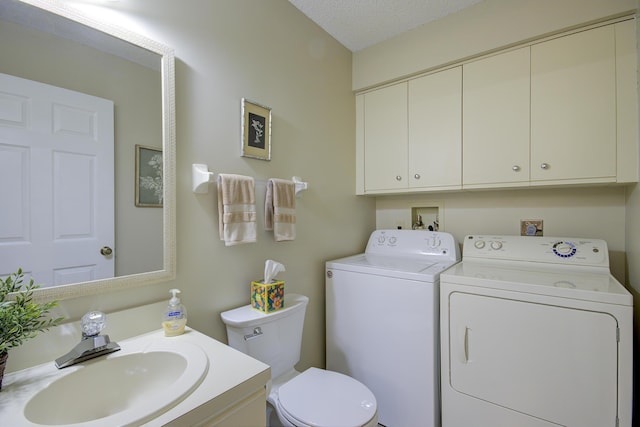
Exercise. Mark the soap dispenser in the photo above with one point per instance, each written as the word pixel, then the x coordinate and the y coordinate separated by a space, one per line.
pixel 174 318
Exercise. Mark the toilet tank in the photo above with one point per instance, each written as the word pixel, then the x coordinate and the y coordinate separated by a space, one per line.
pixel 274 338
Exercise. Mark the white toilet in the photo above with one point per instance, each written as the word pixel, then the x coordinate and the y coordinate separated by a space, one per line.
pixel 315 397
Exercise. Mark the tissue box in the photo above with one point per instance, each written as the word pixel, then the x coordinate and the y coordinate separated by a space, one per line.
pixel 267 297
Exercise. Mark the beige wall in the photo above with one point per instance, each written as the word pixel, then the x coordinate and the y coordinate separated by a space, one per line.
pixel 269 52
pixel 632 234
pixel 603 212
pixel 611 213
pixel 485 27
pixel 597 212
pixel 632 231
pixel 481 28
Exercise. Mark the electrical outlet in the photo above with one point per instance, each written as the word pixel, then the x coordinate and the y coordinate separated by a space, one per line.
pixel 531 227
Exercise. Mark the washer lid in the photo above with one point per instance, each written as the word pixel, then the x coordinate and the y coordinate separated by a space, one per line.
pixel 422 269
pixel 324 398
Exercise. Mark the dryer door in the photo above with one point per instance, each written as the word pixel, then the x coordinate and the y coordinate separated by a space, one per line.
pixel 554 363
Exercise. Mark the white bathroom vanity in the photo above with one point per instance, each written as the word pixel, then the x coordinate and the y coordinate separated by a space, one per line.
pixel 188 380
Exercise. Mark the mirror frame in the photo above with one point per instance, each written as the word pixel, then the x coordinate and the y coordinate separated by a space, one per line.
pixel 167 70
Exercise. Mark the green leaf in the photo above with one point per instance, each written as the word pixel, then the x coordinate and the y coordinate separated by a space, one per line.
pixel 20 318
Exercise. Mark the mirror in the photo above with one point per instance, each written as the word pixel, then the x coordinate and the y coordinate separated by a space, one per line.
pixel 47 41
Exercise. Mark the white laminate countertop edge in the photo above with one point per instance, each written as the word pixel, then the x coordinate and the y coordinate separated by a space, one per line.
pixel 231 377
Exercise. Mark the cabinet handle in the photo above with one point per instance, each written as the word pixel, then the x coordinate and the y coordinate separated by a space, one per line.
pixel 544 166
pixel 398 178
pixel 467 338
pixel 515 168
pixel 416 176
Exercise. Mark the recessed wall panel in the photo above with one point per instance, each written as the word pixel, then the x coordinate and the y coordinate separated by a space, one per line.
pixel 73 202
pixel 14 110
pixel 64 276
pixel 70 120
pixel 14 193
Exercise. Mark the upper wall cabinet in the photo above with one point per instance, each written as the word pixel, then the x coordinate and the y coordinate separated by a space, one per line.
pixel 584 114
pixel 556 112
pixel 383 129
pixel 573 107
pixel 496 120
pixel 435 130
pixel 409 135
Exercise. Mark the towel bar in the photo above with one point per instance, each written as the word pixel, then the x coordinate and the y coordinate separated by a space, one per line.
pixel 201 178
pixel 300 185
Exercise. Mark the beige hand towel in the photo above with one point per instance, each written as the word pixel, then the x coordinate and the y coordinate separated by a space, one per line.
pixel 236 209
pixel 280 209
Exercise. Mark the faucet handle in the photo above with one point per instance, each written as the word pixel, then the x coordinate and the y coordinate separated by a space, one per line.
pixel 92 323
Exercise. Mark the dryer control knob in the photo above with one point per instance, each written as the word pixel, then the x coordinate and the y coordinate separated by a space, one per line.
pixel 479 244
pixel 496 245
pixel 564 249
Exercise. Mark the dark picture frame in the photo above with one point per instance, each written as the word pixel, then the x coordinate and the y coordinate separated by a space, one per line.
pixel 256 130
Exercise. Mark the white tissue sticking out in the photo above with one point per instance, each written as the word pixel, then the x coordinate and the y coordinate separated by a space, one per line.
pixel 271 268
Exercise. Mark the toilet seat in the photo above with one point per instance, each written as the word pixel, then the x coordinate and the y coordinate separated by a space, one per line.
pixel 318 397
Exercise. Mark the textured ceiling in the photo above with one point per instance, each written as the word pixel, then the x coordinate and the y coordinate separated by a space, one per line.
pixel 358 24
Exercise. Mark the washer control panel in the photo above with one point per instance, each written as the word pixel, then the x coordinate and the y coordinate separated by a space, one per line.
pixel 413 243
pixel 556 250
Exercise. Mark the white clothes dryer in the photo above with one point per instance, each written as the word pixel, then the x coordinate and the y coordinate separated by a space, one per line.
pixel 382 321
pixel 536 332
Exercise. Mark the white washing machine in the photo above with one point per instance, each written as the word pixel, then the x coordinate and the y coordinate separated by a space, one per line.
pixel 535 332
pixel 382 321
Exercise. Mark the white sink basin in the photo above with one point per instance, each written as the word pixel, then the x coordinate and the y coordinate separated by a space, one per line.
pixel 122 388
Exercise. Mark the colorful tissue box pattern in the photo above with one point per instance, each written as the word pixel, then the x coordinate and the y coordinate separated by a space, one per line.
pixel 267 297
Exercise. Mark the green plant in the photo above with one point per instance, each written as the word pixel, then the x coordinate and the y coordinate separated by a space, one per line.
pixel 20 317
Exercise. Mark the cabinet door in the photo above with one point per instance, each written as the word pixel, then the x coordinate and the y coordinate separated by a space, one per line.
pixel 385 138
pixel 248 412
pixel 496 120
pixel 435 130
pixel 573 107
pixel 554 363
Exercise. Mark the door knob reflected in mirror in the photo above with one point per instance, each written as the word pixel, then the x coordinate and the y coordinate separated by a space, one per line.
pixel 106 251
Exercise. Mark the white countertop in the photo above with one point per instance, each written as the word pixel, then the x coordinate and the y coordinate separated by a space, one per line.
pixel 232 376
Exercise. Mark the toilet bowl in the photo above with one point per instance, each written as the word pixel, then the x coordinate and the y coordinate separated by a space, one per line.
pixel 315 397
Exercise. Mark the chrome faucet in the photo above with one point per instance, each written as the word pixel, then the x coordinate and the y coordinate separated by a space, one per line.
pixel 92 345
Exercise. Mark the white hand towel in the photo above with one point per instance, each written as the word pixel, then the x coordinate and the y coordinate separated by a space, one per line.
pixel 280 209
pixel 236 209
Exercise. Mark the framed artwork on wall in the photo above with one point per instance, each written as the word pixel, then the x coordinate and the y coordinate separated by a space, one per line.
pixel 149 183
pixel 256 130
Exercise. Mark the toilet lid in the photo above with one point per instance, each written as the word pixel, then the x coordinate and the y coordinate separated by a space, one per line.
pixel 324 398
